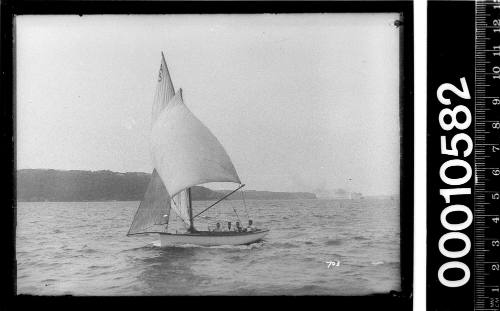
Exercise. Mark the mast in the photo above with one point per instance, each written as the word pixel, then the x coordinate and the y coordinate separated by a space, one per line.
pixel 190 209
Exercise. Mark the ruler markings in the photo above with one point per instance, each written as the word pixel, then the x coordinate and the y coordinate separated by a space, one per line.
pixel 485 140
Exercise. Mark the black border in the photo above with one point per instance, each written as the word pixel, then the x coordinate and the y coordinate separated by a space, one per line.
pixel 9 9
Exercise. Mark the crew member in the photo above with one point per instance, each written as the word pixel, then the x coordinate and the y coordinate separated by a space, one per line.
pixel 251 227
pixel 217 227
pixel 165 221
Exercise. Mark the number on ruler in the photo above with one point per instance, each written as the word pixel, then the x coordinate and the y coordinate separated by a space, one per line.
pixel 494 302
pixel 496 72
pixel 496 48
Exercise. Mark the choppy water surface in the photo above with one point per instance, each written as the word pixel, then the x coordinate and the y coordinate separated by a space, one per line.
pixel 81 248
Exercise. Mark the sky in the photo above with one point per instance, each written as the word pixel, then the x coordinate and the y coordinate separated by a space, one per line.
pixel 300 102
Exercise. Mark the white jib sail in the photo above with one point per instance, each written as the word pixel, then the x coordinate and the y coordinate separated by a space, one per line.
pixel 152 213
pixel 185 152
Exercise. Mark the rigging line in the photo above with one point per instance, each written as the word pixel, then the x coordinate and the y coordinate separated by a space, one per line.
pixel 241 186
pixel 236 214
pixel 234 209
pixel 176 215
pixel 244 203
pixel 168 218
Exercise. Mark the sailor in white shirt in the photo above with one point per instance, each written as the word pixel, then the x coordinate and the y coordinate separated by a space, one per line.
pixel 165 221
pixel 251 227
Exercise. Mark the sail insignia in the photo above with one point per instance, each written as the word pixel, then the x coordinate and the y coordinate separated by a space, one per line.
pixel 164 90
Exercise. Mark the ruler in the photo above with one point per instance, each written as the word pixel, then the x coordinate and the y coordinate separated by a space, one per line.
pixel 487 157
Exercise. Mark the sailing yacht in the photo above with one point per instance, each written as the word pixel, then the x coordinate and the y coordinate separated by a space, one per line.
pixel 185 154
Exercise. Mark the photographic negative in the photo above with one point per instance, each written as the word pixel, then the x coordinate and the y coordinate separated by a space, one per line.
pixel 135 135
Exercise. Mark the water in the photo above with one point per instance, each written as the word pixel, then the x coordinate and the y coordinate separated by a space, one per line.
pixel 81 248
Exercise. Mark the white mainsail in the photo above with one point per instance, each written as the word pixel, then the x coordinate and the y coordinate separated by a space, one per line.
pixel 185 152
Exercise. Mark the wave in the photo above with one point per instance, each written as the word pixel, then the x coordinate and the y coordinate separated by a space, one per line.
pixel 135 249
pixel 360 238
pixel 294 234
pixel 285 245
pixel 87 250
pixel 156 243
pixel 100 266
pixel 309 287
pixel 394 264
pixel 333 242
pixel 309 290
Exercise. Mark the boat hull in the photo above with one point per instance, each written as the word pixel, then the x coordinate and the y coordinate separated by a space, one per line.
pixel 205 238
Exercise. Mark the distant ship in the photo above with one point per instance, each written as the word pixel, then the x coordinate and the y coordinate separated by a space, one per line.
pixel 185 154
pixel 339 194
pixel 355 196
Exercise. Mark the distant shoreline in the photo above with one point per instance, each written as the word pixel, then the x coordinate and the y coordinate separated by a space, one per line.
pixel 48 185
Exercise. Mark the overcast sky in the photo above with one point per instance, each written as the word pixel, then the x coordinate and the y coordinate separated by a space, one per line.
pixel 301 102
